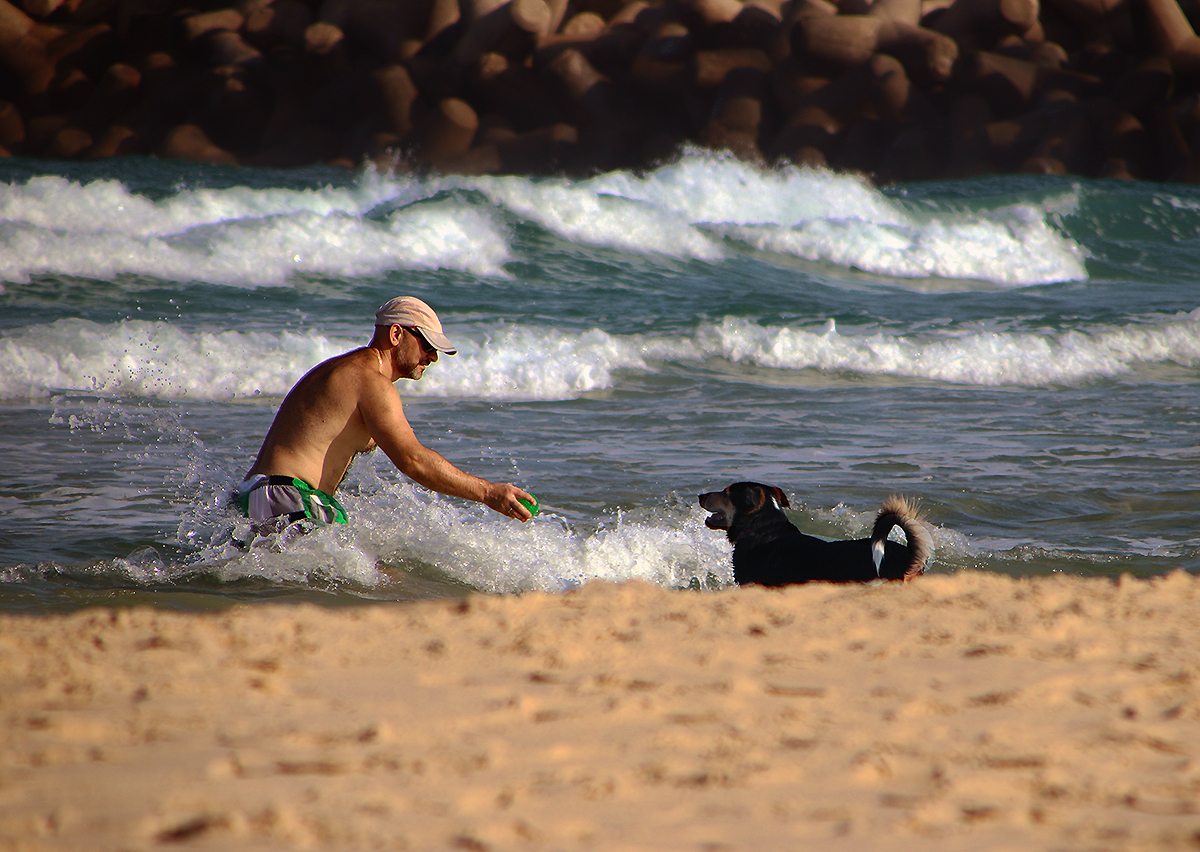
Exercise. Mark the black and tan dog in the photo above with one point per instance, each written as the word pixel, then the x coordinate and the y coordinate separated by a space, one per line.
pixel 769 550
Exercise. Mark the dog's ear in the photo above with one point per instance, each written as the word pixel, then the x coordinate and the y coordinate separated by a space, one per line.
pixel 780 497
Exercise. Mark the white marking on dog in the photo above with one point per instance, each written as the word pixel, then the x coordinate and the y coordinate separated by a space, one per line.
pixel 877 556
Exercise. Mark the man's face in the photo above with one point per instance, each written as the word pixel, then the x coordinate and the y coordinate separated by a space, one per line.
pixel 415 351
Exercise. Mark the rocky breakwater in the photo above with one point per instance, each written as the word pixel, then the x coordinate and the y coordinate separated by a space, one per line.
pixel 896 89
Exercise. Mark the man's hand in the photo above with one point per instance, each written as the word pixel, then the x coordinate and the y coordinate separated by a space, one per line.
pixel 504 498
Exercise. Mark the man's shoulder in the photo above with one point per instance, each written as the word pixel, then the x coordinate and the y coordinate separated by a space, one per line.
pixel 357 374
pixel 347 364
pixel 338 377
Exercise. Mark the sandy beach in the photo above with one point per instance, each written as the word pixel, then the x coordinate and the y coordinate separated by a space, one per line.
pixel 967 711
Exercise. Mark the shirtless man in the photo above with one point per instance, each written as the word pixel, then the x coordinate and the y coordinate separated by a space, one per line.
pixel 348 405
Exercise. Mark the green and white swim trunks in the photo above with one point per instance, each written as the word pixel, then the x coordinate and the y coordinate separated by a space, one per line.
pixel 285 499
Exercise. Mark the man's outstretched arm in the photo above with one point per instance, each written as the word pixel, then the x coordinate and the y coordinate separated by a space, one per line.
pixel 383 414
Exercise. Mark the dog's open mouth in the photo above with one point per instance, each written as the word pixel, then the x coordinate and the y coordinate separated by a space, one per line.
pixel 717 521
pixel 718 503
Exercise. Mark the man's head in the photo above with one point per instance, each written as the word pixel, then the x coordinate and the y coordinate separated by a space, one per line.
pixel 411 313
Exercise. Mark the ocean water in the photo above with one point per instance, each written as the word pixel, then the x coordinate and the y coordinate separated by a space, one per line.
pixel 1021 354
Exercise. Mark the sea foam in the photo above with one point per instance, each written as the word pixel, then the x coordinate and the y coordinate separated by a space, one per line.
pixel 159 360
pixel 1013 247
pixel 156 360
pixel 398 527
pixel 238 236
pixel 690 208
pixel 580 214
pixel 474 545
pixel 703 207
pixel 965 356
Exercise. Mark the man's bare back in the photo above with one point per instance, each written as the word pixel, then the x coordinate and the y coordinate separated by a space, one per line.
pixel 349 405
pixel 319 427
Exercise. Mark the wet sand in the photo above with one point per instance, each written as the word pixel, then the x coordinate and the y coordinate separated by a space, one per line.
pixel 967 711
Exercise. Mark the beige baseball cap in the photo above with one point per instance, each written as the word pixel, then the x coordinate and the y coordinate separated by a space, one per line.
pixel 411 312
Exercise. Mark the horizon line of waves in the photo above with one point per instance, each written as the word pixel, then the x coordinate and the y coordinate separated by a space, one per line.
pixel 981 358
pixel 715 188
pixel 698 207
pixel 685 209
pixel 54 203
pixel 1011 248
pixel 150 358
pixel 254 248
pixel 581 216
pixel 155 359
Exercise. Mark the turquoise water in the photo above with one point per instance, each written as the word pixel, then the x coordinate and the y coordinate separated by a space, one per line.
pixel 1021 354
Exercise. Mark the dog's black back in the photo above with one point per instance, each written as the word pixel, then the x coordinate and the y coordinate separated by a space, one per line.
pixel 769 550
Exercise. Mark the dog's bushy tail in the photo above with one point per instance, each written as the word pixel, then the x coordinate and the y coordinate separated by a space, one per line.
pixel 901 512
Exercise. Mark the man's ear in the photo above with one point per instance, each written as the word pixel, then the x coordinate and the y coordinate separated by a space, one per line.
pixel 395 332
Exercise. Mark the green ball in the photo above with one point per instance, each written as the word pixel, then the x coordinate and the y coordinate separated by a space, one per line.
pixel 532 507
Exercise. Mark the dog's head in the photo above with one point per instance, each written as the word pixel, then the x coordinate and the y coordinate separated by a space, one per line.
pixel 739 501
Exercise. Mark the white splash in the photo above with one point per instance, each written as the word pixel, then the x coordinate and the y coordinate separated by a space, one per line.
pixel 396 527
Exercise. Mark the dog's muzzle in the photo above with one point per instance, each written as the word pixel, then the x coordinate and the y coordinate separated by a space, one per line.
pixel 718 503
